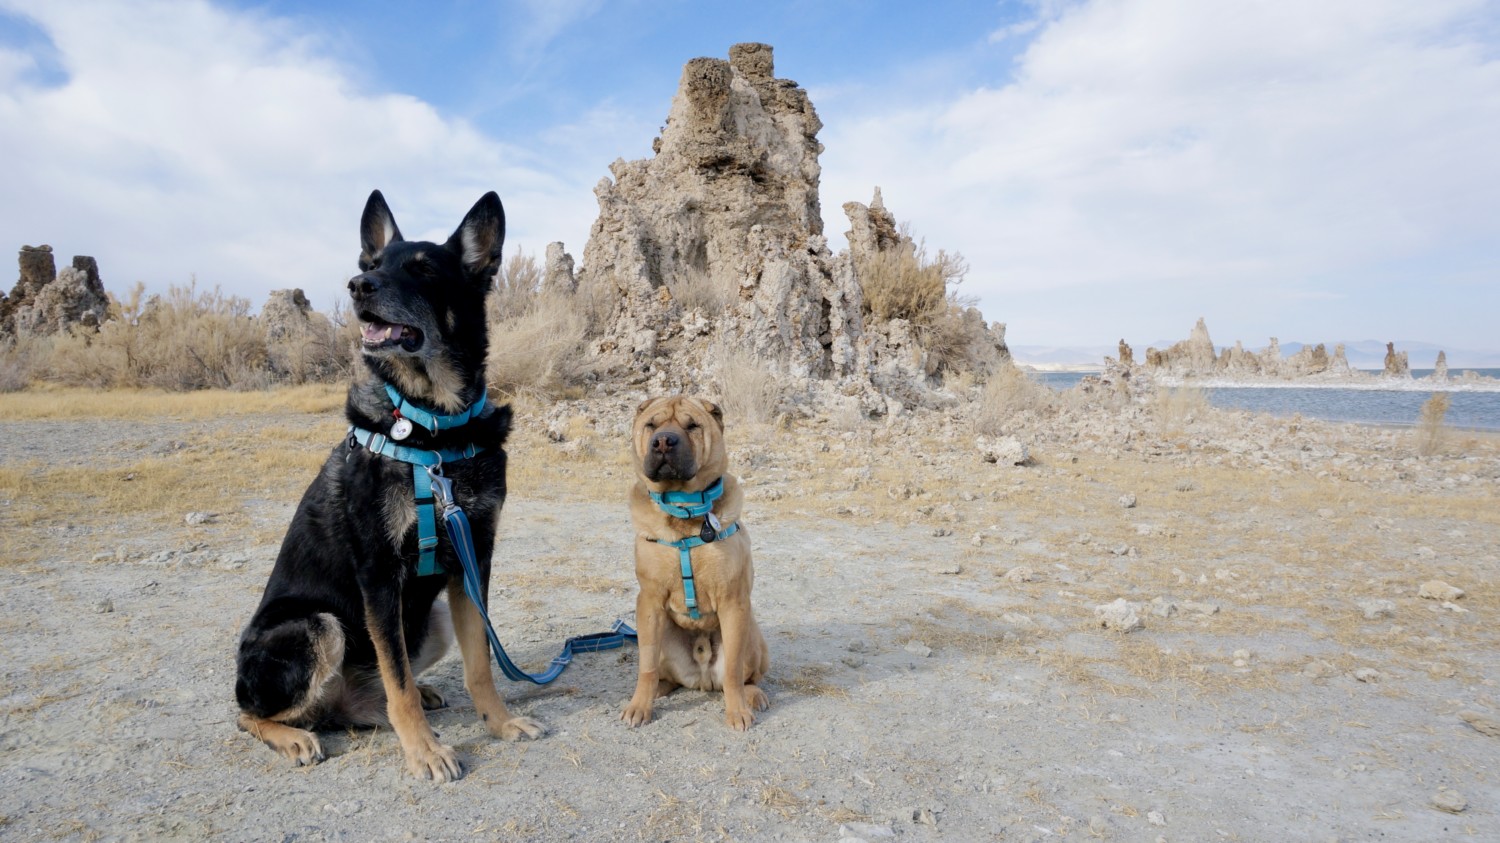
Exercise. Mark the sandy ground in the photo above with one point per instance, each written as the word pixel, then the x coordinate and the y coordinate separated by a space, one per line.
pixel 939 672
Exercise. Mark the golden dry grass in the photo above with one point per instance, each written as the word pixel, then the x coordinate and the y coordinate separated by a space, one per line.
pixel 56 402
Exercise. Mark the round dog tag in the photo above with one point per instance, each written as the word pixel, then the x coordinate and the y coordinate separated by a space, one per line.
pixel 401 429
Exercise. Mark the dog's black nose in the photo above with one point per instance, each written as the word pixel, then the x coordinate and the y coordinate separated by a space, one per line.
pixel 664 441
pixel 363 285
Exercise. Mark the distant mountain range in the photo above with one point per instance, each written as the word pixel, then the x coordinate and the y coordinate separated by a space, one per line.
pixel 1363 354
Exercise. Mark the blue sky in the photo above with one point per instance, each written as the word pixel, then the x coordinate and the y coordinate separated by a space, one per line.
pixel 1110 168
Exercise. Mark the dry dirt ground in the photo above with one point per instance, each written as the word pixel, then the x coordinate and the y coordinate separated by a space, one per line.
pixel 939 671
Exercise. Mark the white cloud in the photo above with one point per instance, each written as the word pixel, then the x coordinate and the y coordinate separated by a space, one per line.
pixel 187 139
pixel 1206 146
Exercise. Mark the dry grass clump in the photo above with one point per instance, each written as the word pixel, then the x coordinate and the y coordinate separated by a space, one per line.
pixel 749 390
pixel 1430 430
pixel 1175 408
pixel 539 350
pixel 698 290
pixel 1007 393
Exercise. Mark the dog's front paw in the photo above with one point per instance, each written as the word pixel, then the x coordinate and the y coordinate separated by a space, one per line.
pixel 434 761
pixel 637 713
pixel 756 698
pixel 740 718
pixel 516 728
pixel 301 747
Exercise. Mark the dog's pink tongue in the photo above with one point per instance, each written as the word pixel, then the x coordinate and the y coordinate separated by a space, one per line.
pixel 375 331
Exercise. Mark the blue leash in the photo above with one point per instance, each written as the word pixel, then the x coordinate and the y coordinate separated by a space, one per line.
pixel 463 543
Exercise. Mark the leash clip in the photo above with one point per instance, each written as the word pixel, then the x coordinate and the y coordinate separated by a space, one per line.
pixel 442 488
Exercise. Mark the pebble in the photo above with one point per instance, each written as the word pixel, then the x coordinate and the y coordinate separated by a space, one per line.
pixel 1020 573
pixel 1318 669
pixel 1449 800
pixel 1439 590
pixel 1202 608
pixel 977 540
pixel 1185 486
pixel 1127 501
pixel 948 568
pixel 1156 818
pixel 1163 608
pixel 1119 616
pixel 940 532
pixel 1367 674
pixel 917 648
pixel 1483 723
pixel 1376 609
pixel 104 607
pixel 194 519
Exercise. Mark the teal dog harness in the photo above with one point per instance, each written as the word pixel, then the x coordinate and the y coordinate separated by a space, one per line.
pixel 693 505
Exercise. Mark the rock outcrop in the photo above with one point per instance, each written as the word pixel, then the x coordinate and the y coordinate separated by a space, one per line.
pixel 300 342
pixel 557 272
pixel 714 249
pixel 1440 368
pixel 45 301
pixel 1193 355
pixel 1396 363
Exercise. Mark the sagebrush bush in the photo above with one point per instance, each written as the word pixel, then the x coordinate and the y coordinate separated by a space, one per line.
pixel 517 284
pixel 1430 430
pixel 902 283
pixel 20 358
pixel 185 339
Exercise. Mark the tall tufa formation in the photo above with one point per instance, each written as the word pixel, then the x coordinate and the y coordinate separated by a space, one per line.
pixel 714 247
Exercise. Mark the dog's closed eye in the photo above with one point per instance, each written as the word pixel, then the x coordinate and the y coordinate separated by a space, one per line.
pixel 692 425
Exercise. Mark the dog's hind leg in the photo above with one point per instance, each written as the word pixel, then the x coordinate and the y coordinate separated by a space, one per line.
pixel 474 646
pixel 435 645
pixel 286 675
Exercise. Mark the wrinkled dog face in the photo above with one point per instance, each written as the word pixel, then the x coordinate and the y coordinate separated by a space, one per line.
pixel 677 439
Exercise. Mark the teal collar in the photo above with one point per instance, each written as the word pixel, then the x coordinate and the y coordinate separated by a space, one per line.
pixel 433 422
pixel 689 504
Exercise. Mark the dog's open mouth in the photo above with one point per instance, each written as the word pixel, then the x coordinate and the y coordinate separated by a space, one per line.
pixel 376 335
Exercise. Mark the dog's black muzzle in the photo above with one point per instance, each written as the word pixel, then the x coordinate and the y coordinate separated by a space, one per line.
pixel 380 330
pixel 669 457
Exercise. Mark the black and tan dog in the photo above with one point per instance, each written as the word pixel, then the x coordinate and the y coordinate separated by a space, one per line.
pixel 692 558
pixel 346 624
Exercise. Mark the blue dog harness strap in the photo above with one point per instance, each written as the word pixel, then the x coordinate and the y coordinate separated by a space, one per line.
pixel 685 557
pixel 434 422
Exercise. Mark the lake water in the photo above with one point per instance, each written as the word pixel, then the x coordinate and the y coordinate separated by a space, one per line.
pixel 1366 404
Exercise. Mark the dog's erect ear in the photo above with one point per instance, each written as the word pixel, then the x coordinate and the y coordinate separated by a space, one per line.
pixel 377 229
pixel 480 239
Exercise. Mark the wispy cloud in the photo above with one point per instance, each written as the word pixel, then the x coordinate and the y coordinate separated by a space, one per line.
pixel 187 139
pixel 1204 144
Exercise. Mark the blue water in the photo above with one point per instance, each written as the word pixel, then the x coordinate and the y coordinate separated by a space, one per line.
pixel 1475 410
